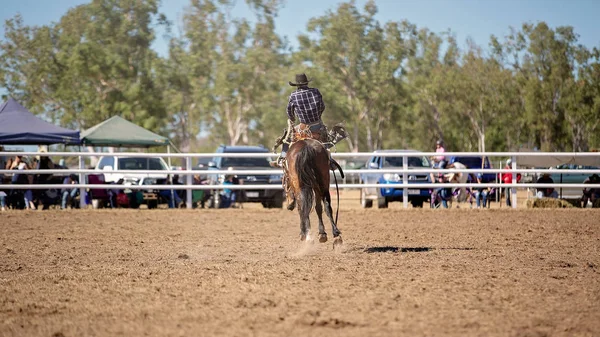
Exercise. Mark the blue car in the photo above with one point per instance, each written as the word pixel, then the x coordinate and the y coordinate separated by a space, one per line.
pixel 383 195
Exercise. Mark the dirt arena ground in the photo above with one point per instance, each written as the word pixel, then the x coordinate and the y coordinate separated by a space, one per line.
pixel 243 272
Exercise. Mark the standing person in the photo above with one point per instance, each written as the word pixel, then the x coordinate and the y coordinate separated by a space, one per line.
pixel 506 178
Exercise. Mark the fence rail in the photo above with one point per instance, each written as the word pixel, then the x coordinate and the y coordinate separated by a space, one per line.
pixel 403 183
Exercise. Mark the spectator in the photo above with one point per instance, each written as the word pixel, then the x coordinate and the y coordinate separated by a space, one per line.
pixel 481 193
pixel 2 195
pixel 506 178
pixel 546 192
pixel 229 196
pixel 20 163
pixel 591 194
pixel 437 160
pixel 171 196
pixel 68 193
pixel 444 193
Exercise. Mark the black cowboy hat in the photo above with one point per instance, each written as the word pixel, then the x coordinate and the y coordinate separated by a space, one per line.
pixel 301 79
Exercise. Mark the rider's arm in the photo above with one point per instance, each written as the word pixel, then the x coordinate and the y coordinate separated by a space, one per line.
pixel 290 110
pixel 320 102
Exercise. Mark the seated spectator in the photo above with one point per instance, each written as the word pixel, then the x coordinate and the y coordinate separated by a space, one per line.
pixel 546 192
pixel 444 193
pixel 229 196
pixel 68 193
pixel 21 163
pixel 200 197
pixel 481 193
pixel 591 194
pixel 2 196
pixel 171 196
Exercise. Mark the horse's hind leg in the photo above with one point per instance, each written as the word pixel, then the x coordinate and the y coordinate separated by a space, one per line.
pixel 319 210
pixel 329 212
pixel 304 210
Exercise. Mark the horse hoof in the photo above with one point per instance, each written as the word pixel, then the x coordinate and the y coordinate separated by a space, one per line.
pixel 337 242
pixel 302 237
pixel 322 238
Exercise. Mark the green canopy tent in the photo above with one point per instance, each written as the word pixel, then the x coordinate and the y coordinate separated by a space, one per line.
pixel 119 132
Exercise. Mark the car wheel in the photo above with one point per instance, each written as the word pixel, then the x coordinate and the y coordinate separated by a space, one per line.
pixel 365 203
pixel 382 202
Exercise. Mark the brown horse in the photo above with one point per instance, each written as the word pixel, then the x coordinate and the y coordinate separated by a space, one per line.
pixel 308 169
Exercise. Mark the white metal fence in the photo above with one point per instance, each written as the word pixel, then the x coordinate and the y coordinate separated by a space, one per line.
pixel 188 172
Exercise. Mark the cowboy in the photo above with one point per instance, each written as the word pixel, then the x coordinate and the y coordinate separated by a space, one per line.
pixel 306 104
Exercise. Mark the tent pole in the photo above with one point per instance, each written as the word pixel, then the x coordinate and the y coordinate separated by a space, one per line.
pixel 171 176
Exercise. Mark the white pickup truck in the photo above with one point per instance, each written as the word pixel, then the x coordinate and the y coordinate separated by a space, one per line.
pixel 111 165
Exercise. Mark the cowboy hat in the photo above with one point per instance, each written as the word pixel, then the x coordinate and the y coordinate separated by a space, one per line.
pixel 301 79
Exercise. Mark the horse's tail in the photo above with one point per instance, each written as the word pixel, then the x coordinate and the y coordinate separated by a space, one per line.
pixel 335 163
pixel 309 176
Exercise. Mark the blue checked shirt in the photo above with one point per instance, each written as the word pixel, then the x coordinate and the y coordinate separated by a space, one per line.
pixel 307 104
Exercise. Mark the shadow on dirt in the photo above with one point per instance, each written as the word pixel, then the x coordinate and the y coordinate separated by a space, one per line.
pixel 393 249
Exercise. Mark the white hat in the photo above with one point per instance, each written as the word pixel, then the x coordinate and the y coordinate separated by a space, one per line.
pixel 508 161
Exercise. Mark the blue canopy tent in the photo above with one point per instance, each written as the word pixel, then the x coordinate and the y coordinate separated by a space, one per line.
pixel 19 126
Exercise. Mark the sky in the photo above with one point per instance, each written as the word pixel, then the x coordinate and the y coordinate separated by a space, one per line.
pixel 477 19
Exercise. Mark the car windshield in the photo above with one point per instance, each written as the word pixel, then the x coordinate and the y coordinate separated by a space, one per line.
pixel 575 167
pixel 412 162
pixel 471 162
pixel 245 162
pixel 141 164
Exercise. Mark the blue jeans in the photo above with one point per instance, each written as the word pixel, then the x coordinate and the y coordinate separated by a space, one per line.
pixel 481 196
pixel 65 197
pixel 2 201
pixel 444 194
pixel 28 198
pixel 173 202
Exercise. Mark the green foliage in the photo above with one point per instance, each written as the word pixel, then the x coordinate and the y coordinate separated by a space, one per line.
pixel 392 84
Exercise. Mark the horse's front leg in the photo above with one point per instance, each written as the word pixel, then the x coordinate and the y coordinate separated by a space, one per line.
pixel 329 212
pixel 319 210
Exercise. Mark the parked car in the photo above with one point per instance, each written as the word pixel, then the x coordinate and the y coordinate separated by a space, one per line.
pixel 383 195
pixel 269 198
pixel 571 178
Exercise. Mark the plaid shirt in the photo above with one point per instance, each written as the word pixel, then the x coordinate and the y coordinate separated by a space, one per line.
pixel 307 104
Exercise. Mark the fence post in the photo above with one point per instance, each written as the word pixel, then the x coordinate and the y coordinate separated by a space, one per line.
pixel 405 181
pixel 188 182
pixel 513 190
pixel 82 194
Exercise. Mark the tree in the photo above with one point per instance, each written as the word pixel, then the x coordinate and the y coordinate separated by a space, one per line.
pixel 364 62
pixel 94 63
